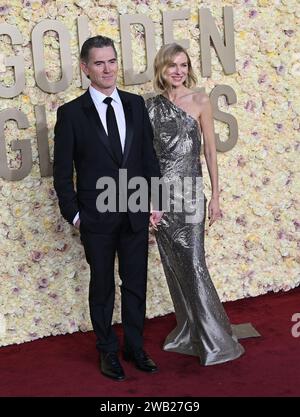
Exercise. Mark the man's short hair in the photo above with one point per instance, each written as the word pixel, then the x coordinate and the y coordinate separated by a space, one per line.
pixel 95 42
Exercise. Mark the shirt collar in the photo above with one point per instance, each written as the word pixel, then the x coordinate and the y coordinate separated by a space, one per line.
pixel 99 97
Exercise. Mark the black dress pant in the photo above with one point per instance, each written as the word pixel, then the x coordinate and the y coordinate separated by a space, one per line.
pixel 132 251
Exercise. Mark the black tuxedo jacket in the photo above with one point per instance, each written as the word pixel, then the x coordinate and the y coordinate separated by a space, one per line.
pixel 80 141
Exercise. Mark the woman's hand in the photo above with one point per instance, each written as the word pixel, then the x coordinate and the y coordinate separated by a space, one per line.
pixel 214 211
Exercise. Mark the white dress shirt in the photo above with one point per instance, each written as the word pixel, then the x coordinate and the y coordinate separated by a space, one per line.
pixel 101 107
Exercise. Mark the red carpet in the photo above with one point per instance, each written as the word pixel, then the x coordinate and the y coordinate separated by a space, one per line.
pixel 67 365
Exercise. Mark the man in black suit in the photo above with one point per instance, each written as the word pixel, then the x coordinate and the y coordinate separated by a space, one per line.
pixel 99 133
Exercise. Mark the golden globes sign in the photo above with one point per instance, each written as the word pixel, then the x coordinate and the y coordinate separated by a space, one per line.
pixel 209 34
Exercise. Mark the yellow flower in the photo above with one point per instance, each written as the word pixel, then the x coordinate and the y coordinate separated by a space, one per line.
pixel 26 99
pixel 289 262
pixel 264 3
pixel 17 212
pixel 195 18
pixel 45 249
pixel 35 5
pixel 244 267
pixel 242 34
pixel 108 30
pixel 47 223
pixel 253 238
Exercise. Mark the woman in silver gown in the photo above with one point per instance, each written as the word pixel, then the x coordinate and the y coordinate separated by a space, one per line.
pixel 178 115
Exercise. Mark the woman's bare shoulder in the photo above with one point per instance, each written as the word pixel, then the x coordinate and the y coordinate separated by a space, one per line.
pixel 200 98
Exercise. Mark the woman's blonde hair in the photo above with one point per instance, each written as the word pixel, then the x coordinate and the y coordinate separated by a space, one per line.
pixel 163 59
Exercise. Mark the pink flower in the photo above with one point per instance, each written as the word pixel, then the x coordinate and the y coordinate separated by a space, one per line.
pixel 59 228
pixel 62 248
pixel 53 295
pixel 52 193
pixel 151 241
pixel 296 223
pixel 281 235
pixel 53 105
pixel 36 255
pixel 246 64
pixel 43 282
pixel 276 215
pixel 241 161
pixel 288 32
pixel 36 205
pixel 112 20
pixel 241 221
pixel 262 78
pixel 250 105
pixel 252 13
pixel 247 244
pixel 280 69
pixel 265 180
pixel 4 10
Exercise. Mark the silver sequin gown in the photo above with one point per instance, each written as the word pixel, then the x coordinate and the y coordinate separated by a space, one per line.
pixel 203 328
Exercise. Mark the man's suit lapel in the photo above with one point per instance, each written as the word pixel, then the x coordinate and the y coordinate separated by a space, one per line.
pixel 93 116
pixel 129 125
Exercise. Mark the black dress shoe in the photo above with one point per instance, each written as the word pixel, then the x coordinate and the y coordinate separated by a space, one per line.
pixel 141 360
pixel 110 366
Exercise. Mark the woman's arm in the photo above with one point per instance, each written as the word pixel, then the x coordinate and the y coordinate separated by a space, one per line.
pixel 210 153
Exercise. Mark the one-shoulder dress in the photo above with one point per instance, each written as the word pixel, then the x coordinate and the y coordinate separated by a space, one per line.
pixel 203 328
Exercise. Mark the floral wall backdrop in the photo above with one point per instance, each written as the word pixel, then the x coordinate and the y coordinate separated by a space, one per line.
pixel 254 248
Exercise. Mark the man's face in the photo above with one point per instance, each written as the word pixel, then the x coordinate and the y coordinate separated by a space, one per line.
pixel 102 69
